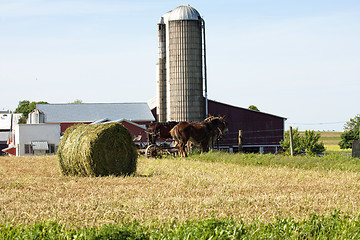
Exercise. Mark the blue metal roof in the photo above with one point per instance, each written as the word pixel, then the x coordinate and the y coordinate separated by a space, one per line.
pixel 89 112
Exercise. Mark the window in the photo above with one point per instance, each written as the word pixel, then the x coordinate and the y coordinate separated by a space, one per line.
pixel 52 148
pixel 28 149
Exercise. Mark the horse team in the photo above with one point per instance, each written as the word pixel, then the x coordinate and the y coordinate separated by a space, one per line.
pixel 203 134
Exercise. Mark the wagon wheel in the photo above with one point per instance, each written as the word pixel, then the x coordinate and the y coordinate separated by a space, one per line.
pixel 153 151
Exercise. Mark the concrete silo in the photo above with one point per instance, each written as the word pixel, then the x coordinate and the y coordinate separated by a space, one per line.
pixel 161 71
pixel 180 65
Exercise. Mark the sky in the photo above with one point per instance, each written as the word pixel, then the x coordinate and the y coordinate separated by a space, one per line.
pixel 295 59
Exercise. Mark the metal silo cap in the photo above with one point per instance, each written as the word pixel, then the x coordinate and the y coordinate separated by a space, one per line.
pixel 183 12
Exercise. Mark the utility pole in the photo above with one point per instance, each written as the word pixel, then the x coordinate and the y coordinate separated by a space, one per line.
pixel 240 141
pixel 291 142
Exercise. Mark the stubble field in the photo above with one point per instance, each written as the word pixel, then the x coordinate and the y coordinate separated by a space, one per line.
pixel 240 187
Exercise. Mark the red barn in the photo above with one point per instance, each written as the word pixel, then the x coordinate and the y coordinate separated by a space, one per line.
pixel 260 132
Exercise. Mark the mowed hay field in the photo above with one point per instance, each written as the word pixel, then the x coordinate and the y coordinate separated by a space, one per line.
pixel 330 138
pixel 331 142
pixel 237 186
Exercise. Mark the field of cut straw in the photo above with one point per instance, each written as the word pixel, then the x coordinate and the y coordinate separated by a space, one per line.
pixel 330 138
pixel 233 186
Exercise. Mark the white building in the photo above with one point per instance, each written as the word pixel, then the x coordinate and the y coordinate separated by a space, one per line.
pixel 8 122
pixel 36 139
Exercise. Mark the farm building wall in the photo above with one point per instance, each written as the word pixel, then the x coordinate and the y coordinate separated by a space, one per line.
pixel 27 134
pixel 261 132
pixel 4 136
pixel 3 145
pixel 356 148
pixel 138 132
pixel 8 122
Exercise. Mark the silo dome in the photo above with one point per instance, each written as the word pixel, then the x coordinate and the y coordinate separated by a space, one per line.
pixel 164 18
pixel 184 13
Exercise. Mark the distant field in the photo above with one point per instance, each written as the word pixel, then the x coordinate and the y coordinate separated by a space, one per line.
pixel 329 138
pixel 331 141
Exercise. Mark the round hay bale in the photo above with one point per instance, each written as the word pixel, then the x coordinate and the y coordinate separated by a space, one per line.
pixel 97 150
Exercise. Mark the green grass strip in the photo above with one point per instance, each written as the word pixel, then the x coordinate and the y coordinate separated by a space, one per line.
pixel 327 162
pixel 334 226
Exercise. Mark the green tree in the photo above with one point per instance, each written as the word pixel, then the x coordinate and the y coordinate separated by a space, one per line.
pixel 25 107
pixel 307 143
pixel 311 144
pixel 351 132
pixel 253 107
pixel 77 101
pixel 353 123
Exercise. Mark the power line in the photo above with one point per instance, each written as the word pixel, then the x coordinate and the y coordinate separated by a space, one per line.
pixel 321 123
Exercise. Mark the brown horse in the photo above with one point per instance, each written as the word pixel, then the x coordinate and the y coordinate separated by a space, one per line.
pixel 199 133
pixel 215 134
pixel 159 130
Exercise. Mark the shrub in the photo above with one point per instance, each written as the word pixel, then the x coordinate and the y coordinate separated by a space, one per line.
pixel 308 143
pixel 311 144
pixel 351 132
pixel 348 137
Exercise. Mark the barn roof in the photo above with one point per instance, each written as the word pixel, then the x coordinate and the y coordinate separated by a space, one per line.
pixel 244 109
pixel 89 112
pixel 130 122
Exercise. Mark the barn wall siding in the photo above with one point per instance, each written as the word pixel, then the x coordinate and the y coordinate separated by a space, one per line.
pixel 257 128
pixel 136 131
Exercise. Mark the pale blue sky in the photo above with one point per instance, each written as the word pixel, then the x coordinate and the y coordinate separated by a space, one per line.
pixel 299 59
